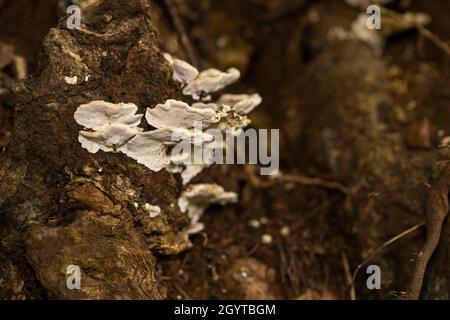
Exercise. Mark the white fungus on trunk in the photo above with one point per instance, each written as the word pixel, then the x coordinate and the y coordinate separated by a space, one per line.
pixel 209 81
pixel 151 148
pixel 200 85
pixel 114 127
pixel 109 139
pixel 240 103
pixel 198 197
pixel 178 114
pixel 182 71
pixel 98 115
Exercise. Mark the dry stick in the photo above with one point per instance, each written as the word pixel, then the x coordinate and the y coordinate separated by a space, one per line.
pixel 384 245
pixel 424 31
pixel 308 181
pixel 431 36
pixel 180 290
pixel 172 6
pixel 436 212
pixel 296 179
pixel 346 266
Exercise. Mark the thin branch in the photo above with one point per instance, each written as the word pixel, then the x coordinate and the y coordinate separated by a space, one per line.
pixel 173 7
pixel 296 179
pixel 422 30
pixel 374 253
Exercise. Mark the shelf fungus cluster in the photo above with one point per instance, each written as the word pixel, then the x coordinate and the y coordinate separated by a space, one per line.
pixel 177 126
pixel 198 197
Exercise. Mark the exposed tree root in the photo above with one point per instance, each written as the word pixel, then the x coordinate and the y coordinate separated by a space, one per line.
pixel 437 210
pixel 378 250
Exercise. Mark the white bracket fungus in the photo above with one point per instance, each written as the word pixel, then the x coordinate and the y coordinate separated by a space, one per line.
pixel 114 127
pixel 98 115
pixel 182 71
pixel 201 84
pixel 240 103
pixel 198 197
pixel 209 81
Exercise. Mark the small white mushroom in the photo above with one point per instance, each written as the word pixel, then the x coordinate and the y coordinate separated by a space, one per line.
pixel 198 197
pixel 71 80
pixel 241 103
pixel 176 114
pixel 266 239
pixel 153 211
pixel 182 71
pixel 151 148
pixel 209 81
pixel 254 224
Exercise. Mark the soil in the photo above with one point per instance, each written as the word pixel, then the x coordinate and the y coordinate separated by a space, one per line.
pixel 368 123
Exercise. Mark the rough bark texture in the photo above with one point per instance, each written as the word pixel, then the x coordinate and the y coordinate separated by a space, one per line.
pixel 61 205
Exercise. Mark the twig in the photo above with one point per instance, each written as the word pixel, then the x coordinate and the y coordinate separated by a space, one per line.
pixel 434 38
pixel 180 290
pixel 374 253
pixel 436 212
pixel 422 30
pixel 172 6
pixel 296 179
pixel 346 266
pixel 307 181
